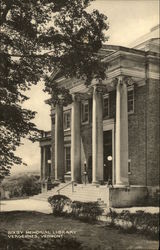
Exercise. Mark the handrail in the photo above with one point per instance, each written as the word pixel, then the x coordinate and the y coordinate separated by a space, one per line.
pixel 71 182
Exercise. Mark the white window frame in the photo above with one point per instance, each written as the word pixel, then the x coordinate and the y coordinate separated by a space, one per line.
pixel 131 88
pixel 106 97
pixel 64 113
pixel 86 102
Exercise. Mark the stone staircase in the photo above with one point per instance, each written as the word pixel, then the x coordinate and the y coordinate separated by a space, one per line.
pixel 79 192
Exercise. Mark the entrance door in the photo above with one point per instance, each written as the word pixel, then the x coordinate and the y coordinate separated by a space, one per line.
pixel 90 169
pixel 107 154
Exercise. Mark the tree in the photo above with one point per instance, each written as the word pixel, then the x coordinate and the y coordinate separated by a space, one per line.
pixel 37 38
pixel 23 185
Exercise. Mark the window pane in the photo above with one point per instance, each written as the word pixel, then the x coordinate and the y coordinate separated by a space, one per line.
pixel 106 107
pixel 53 119
pixel 130 100
pixel 68 158
pixel 67 120
pixel 85 112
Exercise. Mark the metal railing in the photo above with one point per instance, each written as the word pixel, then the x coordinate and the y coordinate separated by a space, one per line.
pixel 69 183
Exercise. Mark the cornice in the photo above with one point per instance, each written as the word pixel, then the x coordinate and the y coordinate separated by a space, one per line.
pixel 153 75
pixel 153 58
pixel 140 75
pixel 120 53
pixel 126 72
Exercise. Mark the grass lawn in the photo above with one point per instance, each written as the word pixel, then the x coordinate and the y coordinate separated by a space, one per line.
pixel 77 235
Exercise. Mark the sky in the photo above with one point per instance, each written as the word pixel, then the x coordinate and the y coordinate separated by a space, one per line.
pixel 128 20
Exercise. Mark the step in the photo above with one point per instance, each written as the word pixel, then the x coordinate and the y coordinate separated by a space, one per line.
pixel 78 195
pixel 81 192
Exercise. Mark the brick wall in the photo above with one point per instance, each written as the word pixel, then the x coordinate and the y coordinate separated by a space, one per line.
pixel 136 138
pixel 153 132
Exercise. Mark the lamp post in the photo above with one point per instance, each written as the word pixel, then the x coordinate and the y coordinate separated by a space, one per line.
pixel 49 183
pixel 109 158
pixel 85 172
pixel 49 168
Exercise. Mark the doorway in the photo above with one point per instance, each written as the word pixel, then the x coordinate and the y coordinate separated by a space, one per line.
pixel 90 169
pixel 107 156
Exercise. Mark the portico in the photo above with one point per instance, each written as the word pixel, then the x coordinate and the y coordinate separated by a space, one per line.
pixel 120 149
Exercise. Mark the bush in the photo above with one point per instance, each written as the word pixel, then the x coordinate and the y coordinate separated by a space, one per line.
pixel 63 206
pixel 22 186
pixel 58 203
pixel 89 211
pixel 146 223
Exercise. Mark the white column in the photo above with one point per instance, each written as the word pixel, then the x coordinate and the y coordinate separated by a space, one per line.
pixel 41 149
pixel 59 143
pixel 53 146
pixel 75 140
pixel 44 162
pixel 121 133
pixel 97 136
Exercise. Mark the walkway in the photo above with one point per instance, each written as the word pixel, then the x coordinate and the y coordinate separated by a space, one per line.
pixel 25 205
pixel 44 206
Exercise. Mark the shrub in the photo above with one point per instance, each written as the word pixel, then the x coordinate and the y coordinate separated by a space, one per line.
pixel 63 206
pixel 58 203
pixel 147 223
pixel 89 211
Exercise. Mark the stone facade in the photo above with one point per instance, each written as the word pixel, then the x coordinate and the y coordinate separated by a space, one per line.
pixel 129 134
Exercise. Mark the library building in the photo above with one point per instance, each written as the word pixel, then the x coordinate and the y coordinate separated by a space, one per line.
pixel 105 145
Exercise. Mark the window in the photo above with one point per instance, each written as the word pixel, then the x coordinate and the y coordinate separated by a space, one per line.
pixel 67 119
pixel 53 119
pixel 129 166
pixel 85 112
pixel 130 100
pixel 67 151
pixel 106 106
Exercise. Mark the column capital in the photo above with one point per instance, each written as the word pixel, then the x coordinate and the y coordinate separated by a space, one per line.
pixel 120 80
pixel 129 81
pixel 60 102
pixel 76 97
pixel 99 88
pixel 80 96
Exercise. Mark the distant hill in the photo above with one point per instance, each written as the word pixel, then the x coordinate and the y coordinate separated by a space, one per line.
pixel 21 174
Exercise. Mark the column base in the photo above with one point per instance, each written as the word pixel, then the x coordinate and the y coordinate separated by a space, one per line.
pixel 120 186
pixel 122 182
pixel 100 182
pixel 95 182
pixel 59 180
